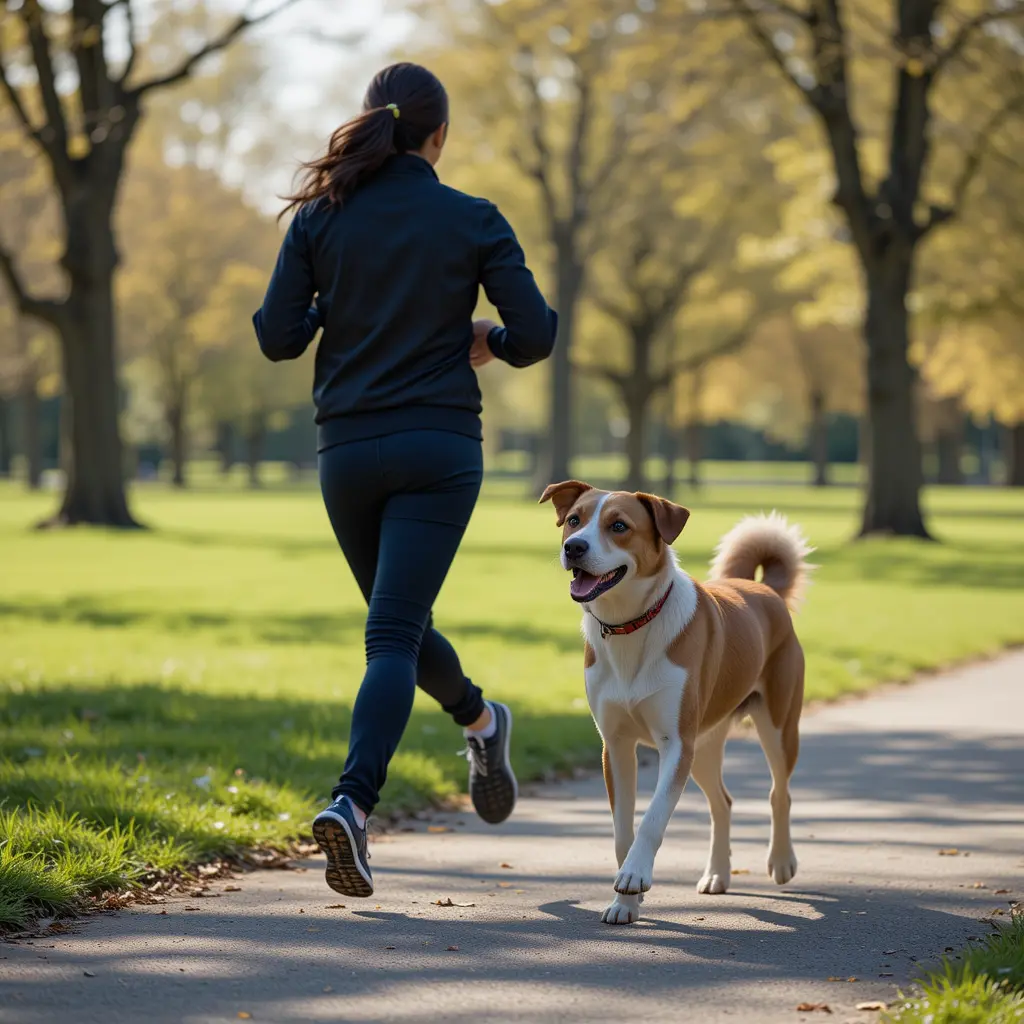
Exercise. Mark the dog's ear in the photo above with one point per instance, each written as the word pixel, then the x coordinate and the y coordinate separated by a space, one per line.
pixel 564 496
pixel 669 518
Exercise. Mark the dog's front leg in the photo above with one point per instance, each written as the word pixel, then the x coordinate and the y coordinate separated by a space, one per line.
pixel 619 762
pixel 637 872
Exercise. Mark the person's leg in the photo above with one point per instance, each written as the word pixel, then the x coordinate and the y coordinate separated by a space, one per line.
pixel 355 506
pixel 434 480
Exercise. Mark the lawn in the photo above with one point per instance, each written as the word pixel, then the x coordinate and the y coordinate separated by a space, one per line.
pixel 184 692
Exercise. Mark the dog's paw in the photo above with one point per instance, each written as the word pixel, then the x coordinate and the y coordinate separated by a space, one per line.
pixel 781 865
pixel 622 910
pixel 634 878
pixel 714 882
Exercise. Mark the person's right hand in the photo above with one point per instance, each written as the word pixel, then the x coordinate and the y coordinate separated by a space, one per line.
pixel 480 353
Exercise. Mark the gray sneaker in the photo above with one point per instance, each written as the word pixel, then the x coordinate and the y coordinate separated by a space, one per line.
pixel 344 842
pixel 492 783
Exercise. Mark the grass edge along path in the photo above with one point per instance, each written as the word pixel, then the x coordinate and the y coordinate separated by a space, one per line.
pixel 180 697
pixel 984 986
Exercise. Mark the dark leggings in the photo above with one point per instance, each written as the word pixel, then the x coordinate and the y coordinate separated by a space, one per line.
pixel 399 506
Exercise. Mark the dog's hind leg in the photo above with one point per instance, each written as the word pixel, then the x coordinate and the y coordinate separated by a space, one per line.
pixel 707 773
pixel 618 760
pixel 777 719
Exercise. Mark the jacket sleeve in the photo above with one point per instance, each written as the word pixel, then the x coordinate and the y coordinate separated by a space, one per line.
pixel 530 326
pixel 288 320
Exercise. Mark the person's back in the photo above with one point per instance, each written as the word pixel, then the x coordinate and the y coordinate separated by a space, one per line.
pixel 389 263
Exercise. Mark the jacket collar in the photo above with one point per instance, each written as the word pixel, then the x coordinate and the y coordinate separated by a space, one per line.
pixel 408 163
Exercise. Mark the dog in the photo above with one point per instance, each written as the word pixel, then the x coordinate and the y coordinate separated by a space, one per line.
pixel 671 663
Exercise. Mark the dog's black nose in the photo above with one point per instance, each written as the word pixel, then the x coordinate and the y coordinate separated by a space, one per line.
pixel 576 548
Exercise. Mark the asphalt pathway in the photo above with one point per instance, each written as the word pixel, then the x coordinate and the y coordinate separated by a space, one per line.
pixel 908 821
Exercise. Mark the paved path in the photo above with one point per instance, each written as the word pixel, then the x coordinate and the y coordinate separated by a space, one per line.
pixel 883 785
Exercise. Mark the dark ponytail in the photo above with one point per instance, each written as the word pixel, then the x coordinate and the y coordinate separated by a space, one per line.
pixel 404 105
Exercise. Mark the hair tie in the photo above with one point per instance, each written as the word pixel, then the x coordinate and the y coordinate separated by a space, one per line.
pixel 393 107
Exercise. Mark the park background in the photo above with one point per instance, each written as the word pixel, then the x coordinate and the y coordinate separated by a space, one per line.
pixel 787 250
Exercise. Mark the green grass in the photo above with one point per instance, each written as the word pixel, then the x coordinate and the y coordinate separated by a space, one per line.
pixel 173 695
pixel 984 986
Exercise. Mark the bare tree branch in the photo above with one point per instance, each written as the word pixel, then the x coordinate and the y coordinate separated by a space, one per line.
pixel 697 360
pixel 215 45
pixel 15 101
pixel 982 147
pixel 608 373
pixel 133 42
pixel 970 27
pixel 540 168
pixel 764 40
pixel 49 310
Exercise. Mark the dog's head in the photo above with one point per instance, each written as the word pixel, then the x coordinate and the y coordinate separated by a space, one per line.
pixel 612 536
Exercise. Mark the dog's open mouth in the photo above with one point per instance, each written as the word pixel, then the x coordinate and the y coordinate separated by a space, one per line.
pixel 586 587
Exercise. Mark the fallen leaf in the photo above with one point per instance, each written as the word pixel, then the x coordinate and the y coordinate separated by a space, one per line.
pixel 191 908
pixel 242 1015
pixel 852 978
pixel 812 1007
pixel 951 852
pixel 335 906
pixel 698 919
pixel 834 978
pixel 741 871
pixel 979 885
pixel 389 947
pixel 232 888
pixel 301 911
pixel 452 949
pixel 438 828
pixel 378 907
pixel 873 1004
pixel 504 865
pixel 1001 892
pixel 449 902
pixel 89 974
pixel 504 885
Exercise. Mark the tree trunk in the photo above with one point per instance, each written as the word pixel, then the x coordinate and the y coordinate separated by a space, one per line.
pixel 179 441
pixel 694 446
pixel 948 449
pixel 6 440
pixel 636 440
pixel 668 487
pixel 553 464
pixel 1015 455
pixel 892 503
pixel 31 431
pixel 95 491
pixel 254 439
pixel 226 446
pixel 819 439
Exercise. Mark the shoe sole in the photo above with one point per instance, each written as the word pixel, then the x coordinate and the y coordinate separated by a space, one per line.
pixel 344 873
pixel 486 811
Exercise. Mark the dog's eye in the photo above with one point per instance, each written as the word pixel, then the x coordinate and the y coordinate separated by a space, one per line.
pixel 573 521
pixel 619 526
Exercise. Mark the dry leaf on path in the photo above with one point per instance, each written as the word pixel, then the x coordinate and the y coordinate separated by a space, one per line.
pixel 1001 892
pixel 504 865
pixel 951 852
pixel 438 828
pixel 504 885
pixel 233 888
pixel 741 871
pixel 335 906
pixel 242 1015
pixel 449 902
pixel 873 1004
pixel 812 1007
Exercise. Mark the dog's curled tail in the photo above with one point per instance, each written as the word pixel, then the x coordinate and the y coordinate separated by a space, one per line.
pixel 771 543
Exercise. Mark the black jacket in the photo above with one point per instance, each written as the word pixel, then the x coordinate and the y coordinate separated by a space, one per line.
pixel 395 273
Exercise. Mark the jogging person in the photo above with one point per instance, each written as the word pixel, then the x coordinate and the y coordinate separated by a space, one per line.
pixel 389 263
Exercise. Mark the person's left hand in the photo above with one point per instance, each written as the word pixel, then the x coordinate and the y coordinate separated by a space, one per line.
pixel 480 353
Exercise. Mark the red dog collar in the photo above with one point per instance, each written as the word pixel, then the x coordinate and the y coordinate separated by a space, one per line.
pixel 625 628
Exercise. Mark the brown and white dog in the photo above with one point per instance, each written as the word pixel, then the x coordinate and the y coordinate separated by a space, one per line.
pixel 671 663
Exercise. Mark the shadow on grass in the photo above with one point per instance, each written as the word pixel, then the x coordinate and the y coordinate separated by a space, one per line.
pixel 268 628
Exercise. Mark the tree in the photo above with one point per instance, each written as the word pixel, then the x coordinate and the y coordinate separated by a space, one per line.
pixel 84 137
pixel 565 90
pixel 885 188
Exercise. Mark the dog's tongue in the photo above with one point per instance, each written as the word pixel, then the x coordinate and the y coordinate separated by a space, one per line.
pixel 583 585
